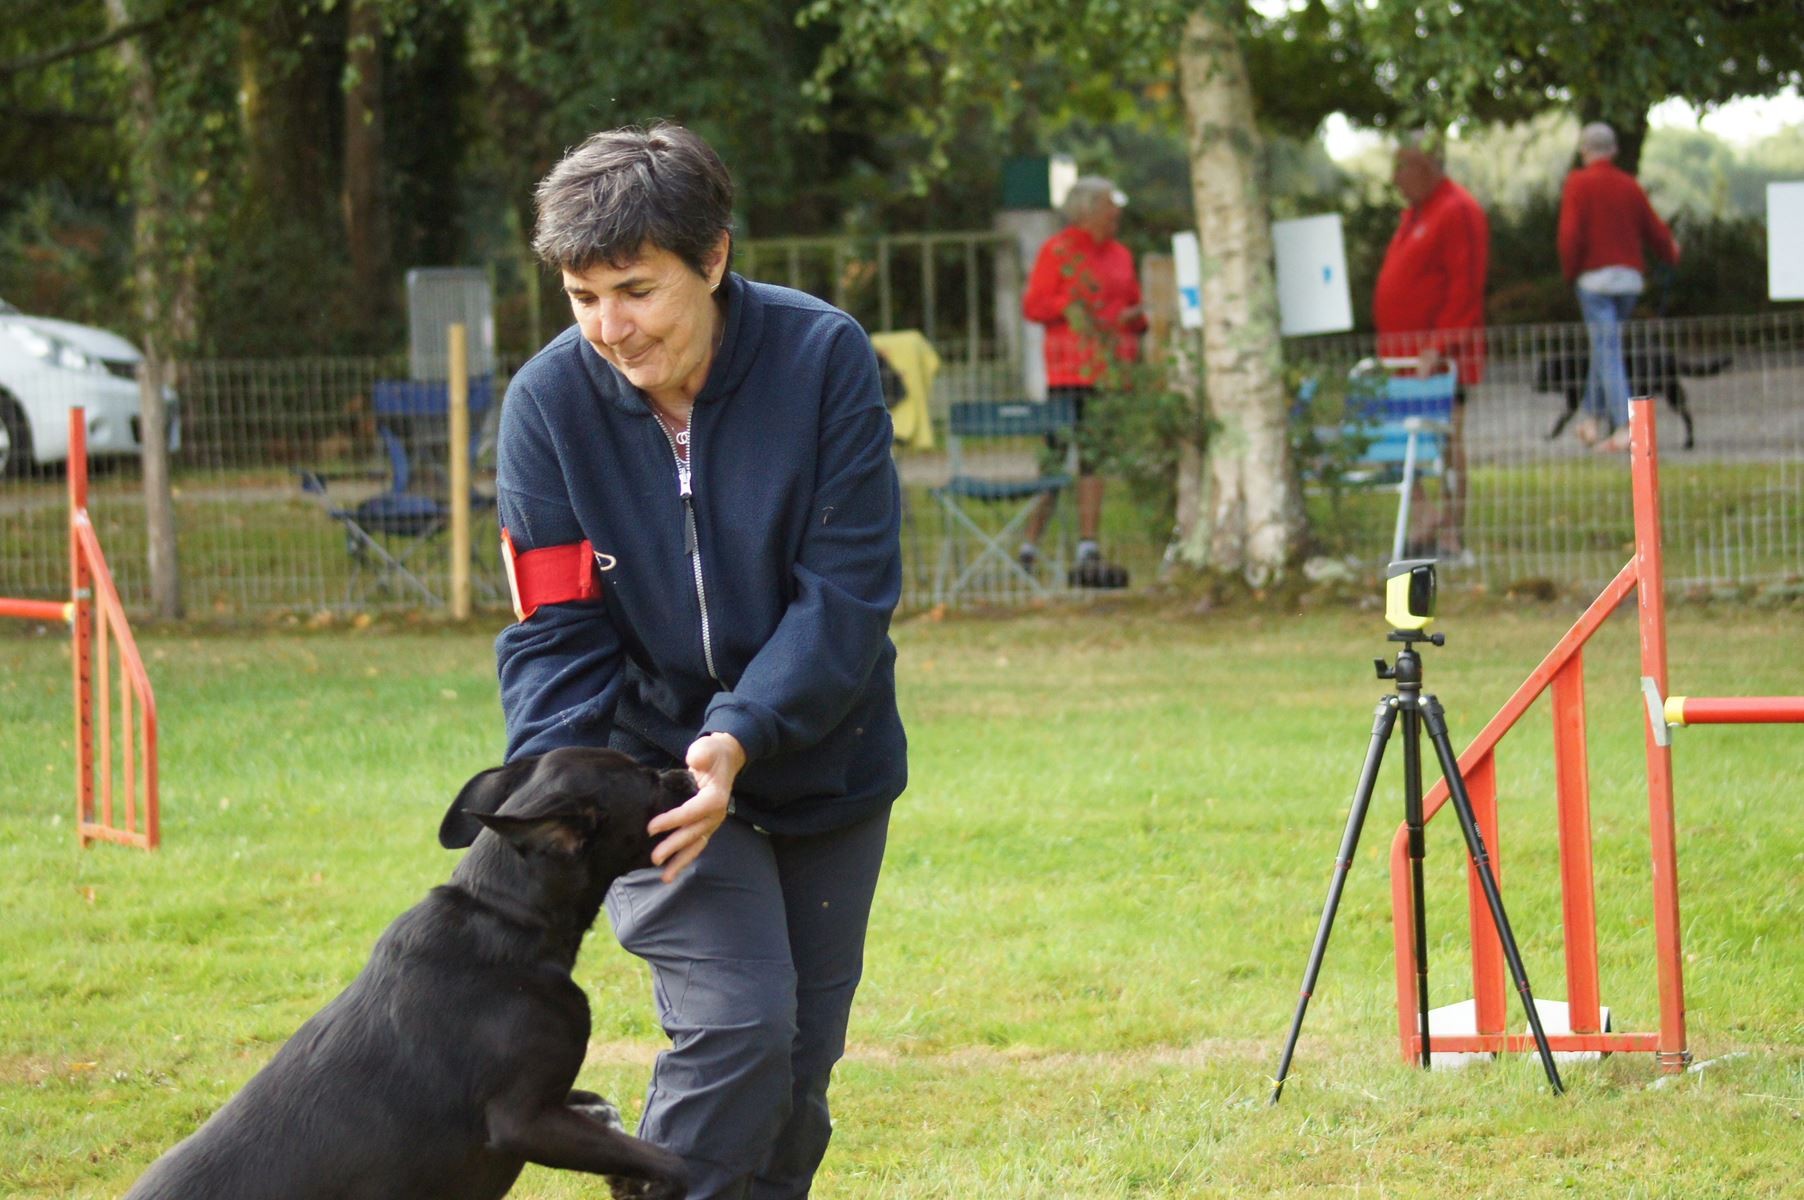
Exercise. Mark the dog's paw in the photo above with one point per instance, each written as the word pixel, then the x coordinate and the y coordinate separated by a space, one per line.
pixel 603 1111
pixel 623 1188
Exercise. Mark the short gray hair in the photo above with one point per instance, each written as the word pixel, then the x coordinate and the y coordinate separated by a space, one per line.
pixel 1087 195
pixel 1429 143
pixel 624 189
pixel 1597 138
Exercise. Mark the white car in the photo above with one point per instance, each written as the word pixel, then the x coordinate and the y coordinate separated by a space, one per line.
pixel 49 366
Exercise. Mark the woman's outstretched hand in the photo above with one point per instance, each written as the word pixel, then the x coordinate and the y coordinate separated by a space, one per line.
pixel 715 759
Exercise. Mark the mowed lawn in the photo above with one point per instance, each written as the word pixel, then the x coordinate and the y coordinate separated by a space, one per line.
pixel 1098 902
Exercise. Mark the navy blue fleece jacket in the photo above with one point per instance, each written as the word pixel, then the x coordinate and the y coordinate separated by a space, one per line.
pixel 773 623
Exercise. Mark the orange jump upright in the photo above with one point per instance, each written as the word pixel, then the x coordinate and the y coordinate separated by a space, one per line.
pixel 1562 673
pixel 101 636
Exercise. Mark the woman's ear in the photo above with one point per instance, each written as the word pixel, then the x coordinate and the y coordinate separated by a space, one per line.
pixel 717 260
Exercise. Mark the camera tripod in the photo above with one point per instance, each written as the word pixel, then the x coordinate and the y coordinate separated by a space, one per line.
pixel 1417 710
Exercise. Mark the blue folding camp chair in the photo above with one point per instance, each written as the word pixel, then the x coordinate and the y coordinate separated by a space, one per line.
pixel 388 534
pixel 973 546
pixel 1402 422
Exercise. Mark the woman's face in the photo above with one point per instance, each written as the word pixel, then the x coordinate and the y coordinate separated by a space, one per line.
pixel 653 318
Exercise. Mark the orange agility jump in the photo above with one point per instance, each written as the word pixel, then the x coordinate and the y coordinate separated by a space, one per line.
pixel 102 635
pixel 1562 671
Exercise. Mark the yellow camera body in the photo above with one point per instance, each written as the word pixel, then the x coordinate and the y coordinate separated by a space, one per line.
pixel 1409 593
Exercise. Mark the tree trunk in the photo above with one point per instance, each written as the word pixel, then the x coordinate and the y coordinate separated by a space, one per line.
pixel 1248 516
pixel 166 295
pixel 366 226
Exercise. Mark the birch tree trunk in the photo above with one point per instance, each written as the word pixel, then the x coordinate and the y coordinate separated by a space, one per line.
pixel 166 295
pixel 1246 518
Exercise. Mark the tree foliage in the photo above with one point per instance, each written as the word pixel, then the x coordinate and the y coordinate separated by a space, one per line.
pixel 1607 60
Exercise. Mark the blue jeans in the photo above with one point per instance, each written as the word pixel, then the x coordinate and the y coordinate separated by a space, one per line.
pixel 755 953
pixel 1606 383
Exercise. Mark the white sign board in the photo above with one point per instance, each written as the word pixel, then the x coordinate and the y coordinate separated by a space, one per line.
pixel 1187 265
pixel 1785 241
pixel 1312 276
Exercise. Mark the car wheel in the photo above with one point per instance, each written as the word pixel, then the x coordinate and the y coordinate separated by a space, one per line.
pixel 15 439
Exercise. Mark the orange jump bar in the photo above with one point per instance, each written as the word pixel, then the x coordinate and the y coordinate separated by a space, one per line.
pixel 37 610
pixel 1734 710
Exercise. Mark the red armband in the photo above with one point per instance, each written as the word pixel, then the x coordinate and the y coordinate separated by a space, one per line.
pixel 552 574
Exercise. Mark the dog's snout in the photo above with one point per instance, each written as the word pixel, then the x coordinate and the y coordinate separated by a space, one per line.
pixel 677 784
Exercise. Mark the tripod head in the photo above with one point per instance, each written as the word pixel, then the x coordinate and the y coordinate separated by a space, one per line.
pixel 1407 670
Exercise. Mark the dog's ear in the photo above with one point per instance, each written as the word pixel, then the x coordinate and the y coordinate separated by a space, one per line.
pixel 486 793
pixel 561 833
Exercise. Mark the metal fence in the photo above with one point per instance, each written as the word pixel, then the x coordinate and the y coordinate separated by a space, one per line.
pixel 255 436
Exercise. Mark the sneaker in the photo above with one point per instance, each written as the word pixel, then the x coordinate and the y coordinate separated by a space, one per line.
pixel 1616 443
pixel 1095 573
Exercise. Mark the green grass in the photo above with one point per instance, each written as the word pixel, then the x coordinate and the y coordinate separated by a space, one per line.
pixel 1097 905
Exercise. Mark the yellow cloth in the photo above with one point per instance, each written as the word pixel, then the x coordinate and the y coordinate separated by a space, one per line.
pixel 913 358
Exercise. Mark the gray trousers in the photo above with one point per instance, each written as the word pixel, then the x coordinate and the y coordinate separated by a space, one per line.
pixel 755 953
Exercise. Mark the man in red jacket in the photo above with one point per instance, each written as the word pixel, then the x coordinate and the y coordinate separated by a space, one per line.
pixel 1605 220
pixel 1429 305
pixel 1083 289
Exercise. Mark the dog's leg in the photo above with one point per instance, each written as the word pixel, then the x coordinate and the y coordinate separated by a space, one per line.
pixel 1680 404
pixel 1560 422
pixel 603 1110
pixel 572 1139
pixel 597 1107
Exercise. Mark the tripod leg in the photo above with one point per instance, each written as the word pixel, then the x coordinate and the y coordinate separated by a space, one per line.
pixel 1418 849
pixel 1436 721
pixel 1383 718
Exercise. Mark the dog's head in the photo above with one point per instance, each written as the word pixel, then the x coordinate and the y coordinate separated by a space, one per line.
pixel 574 804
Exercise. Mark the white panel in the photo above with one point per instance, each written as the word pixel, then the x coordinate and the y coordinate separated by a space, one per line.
pixel 1313 296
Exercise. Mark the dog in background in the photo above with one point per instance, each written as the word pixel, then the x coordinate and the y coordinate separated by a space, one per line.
pixel 446 1065
pixel 1650 372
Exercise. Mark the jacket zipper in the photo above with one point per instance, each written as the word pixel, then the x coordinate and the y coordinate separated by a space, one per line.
pixel 691 544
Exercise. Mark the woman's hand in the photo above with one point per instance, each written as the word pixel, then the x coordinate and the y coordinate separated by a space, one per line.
pixel 715 759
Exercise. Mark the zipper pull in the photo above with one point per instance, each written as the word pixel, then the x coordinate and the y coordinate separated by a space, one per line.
pixel 683 488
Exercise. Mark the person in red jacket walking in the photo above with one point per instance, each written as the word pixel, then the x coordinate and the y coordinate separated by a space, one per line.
pixel 1084 291
pixel 1605 220
pixel 1429 305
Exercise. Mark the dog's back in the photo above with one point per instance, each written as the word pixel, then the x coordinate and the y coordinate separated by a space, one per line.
pixel 448 1062
pixel 369 1098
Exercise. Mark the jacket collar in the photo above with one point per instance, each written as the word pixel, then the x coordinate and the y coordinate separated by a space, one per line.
pixel 738 345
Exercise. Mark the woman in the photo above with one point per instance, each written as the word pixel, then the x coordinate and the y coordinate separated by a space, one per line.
pixel 702 516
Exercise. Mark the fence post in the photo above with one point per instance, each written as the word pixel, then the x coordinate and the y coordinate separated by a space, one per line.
pixel 458 401
pixel 159 502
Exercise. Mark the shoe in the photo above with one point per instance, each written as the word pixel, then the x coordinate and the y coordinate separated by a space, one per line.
pixel 1616 443
pixel 1588 431
pixel 1028 556
pixel 1095 573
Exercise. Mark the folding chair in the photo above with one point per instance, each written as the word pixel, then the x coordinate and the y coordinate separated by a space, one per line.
pixel 968 500
pixel 1404 421
pixel 387 534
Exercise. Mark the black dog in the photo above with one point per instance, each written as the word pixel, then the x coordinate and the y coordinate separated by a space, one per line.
pixel 1651 373
pixel 447 1064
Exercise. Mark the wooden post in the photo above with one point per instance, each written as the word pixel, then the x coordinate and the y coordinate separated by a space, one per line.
pixel 159 500
pixel 458 402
